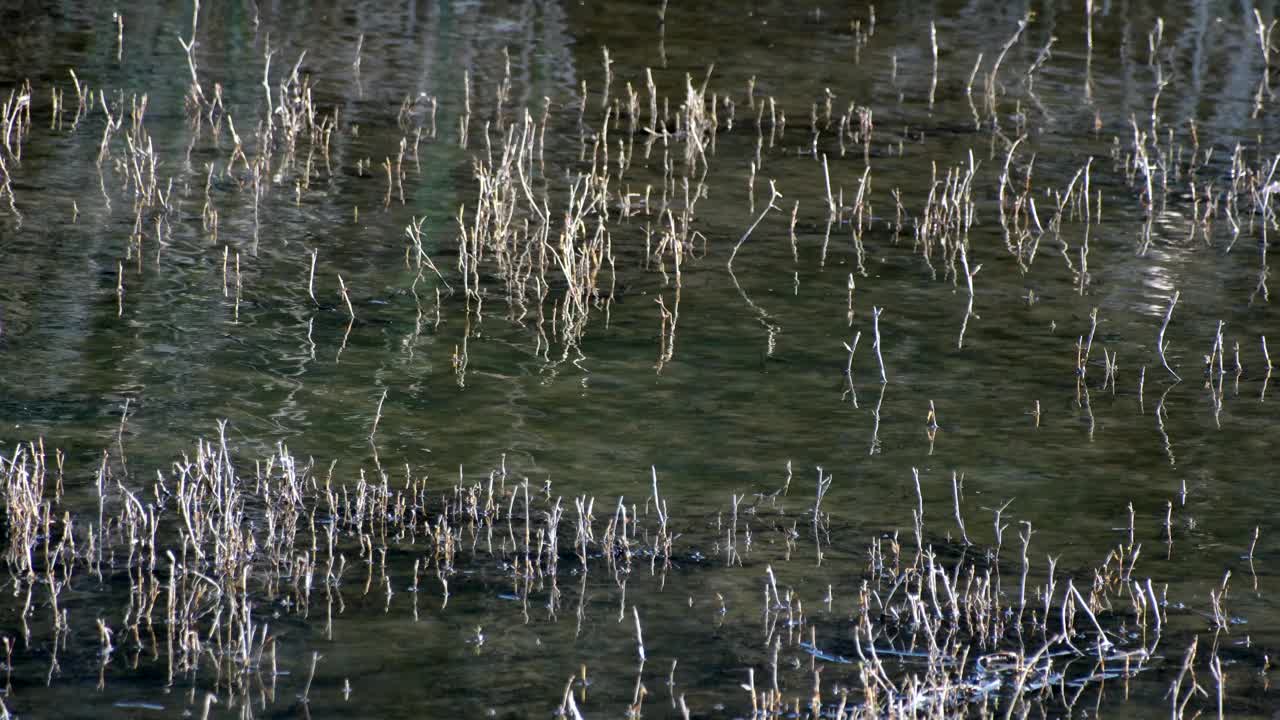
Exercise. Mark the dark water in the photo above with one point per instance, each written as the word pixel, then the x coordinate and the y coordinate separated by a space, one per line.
pixel 755 380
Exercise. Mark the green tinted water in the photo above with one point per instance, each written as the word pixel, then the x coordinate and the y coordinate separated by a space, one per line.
pixel 755 380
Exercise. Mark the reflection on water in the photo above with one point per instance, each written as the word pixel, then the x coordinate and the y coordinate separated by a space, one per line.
pixel 228 304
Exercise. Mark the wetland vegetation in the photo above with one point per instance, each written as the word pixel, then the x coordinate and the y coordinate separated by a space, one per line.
pixel 600 359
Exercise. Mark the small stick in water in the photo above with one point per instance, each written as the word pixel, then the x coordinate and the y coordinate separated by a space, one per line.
pixel 119 289
pixel 119 35
pixel 955 493
pixel 306 691
pixel 773 195
pixel 311 280
pixel 848 366
pixel 639 637
pixel 1160 344
pixel 875 313
pixel 831 201
pixel 346 297
pixel 377 416
pixel 933 40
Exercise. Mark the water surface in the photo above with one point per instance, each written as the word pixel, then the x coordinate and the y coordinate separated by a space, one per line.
pixel 755 382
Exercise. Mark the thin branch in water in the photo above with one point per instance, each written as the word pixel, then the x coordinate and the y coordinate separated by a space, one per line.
pixel 875 313
pixel 773 195
pixel 1160 344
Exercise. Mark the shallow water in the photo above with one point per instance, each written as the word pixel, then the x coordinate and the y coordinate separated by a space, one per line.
pixel 755 380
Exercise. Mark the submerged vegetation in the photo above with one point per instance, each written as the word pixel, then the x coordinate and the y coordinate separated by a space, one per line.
pixel 535 229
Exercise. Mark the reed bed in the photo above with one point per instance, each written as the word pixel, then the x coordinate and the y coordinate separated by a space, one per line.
pixel 545 241
pixel 934 626
pixel 543 244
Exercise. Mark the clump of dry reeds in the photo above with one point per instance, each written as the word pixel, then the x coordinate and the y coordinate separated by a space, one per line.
pixel 937 627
